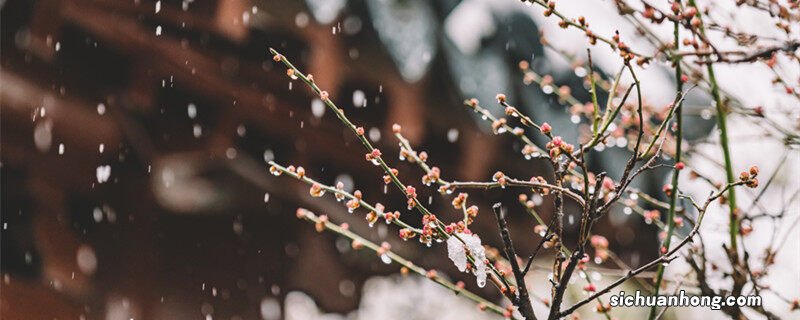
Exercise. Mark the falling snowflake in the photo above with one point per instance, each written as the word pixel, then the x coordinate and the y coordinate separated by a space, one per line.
pixel 103 173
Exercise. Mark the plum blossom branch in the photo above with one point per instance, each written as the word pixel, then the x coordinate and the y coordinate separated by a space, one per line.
pixel 318 189
pixel 374 155
pixel 384 249
pixel 664 258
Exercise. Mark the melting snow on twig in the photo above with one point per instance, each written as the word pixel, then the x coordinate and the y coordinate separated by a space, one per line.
pixel 457 251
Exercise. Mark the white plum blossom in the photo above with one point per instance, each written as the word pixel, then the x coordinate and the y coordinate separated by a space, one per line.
pixel 457 251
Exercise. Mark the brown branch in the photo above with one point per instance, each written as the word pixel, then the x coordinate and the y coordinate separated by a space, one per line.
pixel 523 302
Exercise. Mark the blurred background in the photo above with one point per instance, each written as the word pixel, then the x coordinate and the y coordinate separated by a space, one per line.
pixel 135 136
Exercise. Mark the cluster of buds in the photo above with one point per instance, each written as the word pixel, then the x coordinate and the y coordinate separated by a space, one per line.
pixel 689 14
pixel 301 173
pixel 625 51
pixel 540 190
pixel 460 200
pixel 374 155
pixel 498 126
pixel 411 193
pixel 651 14
pixel 432 176
pixel 528 203
pixel 339 191
pixel 354 203
pixel 389 216
pixel 651 215
pixel 691 42
pixel 431 274
pixel 383 249
pixel 749 177
pixel 600 245
pixel 429 230
pixel 500 178
pixel 557 146
pixel 316 190
pixel 458 227
pixel 406 234
pixel 472 212
pixel 405 155
pixel 320 225
pixel 528 151
pixel 512 111
pixel 275 171
pixel 373 216
pixel 545 128
pixel 592 37
pixel 552 241
pixel 387 179
pixel 446 189
pixel 551 6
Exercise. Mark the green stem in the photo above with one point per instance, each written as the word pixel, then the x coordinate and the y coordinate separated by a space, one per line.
pixel 733 226
pixel 673 198
pixel 595 104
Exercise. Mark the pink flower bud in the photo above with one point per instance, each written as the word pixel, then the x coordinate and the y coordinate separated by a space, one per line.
pixel 411 192
pixel 557 141
pixel 608 183
pixel 690 12
pixel 546 128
